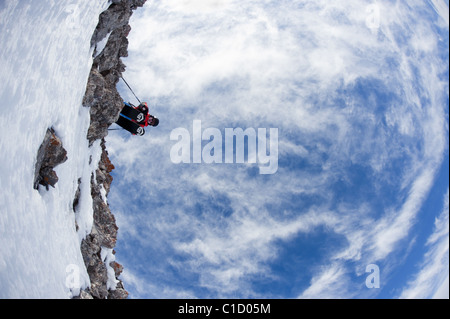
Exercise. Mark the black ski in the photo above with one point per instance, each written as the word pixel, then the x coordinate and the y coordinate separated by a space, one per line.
pixel 130 126
pixel 133 114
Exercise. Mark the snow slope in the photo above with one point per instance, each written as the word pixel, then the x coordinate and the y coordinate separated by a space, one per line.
pixel 45 59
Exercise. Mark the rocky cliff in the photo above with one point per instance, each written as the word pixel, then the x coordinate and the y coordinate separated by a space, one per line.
pixel 101 95
pixel 105 104
pixel 110 44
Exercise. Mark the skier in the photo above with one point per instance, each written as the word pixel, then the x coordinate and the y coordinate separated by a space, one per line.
pixel 135 118
pixel 149 119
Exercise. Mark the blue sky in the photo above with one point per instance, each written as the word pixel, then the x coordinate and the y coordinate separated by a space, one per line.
pixel 362 115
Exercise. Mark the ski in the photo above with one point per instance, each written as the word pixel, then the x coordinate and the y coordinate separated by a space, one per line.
pixel 130 126
pixel 133 114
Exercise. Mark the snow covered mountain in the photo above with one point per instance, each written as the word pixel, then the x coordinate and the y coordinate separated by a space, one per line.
pixel 59 64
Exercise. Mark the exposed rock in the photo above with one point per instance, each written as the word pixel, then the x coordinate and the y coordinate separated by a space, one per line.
pixel 117 15
pixel 105 104
pixel 101 94
pixel 103 234
pixel 96 268
pixel 105 167
pixel 51 153
pixel 104 221
pixel 118 268
pixel 84 295
pixel 76 199
pixel 119 293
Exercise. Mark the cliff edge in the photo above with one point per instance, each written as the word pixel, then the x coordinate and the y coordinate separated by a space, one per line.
pixel 110 44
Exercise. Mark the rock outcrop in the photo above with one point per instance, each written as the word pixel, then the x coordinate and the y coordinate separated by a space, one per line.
pixel 51 153
pixel 103 235
pixel 105 104
pixel 101 95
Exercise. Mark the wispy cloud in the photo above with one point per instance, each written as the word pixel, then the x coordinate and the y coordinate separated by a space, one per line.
pixel 432 279
pixel 330 283
pixel 441 7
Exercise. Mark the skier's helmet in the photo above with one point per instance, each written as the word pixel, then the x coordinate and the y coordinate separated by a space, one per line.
pixel 153 121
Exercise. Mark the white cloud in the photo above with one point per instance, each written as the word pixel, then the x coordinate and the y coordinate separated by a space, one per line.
pixel 198 6
pixel 226 256
pixel 145 289
pixel 441 7
pixel 396 225
pixel 432 279
pixel 330 283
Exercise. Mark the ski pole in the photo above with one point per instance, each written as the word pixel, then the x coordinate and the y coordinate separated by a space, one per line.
pixel 131 89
